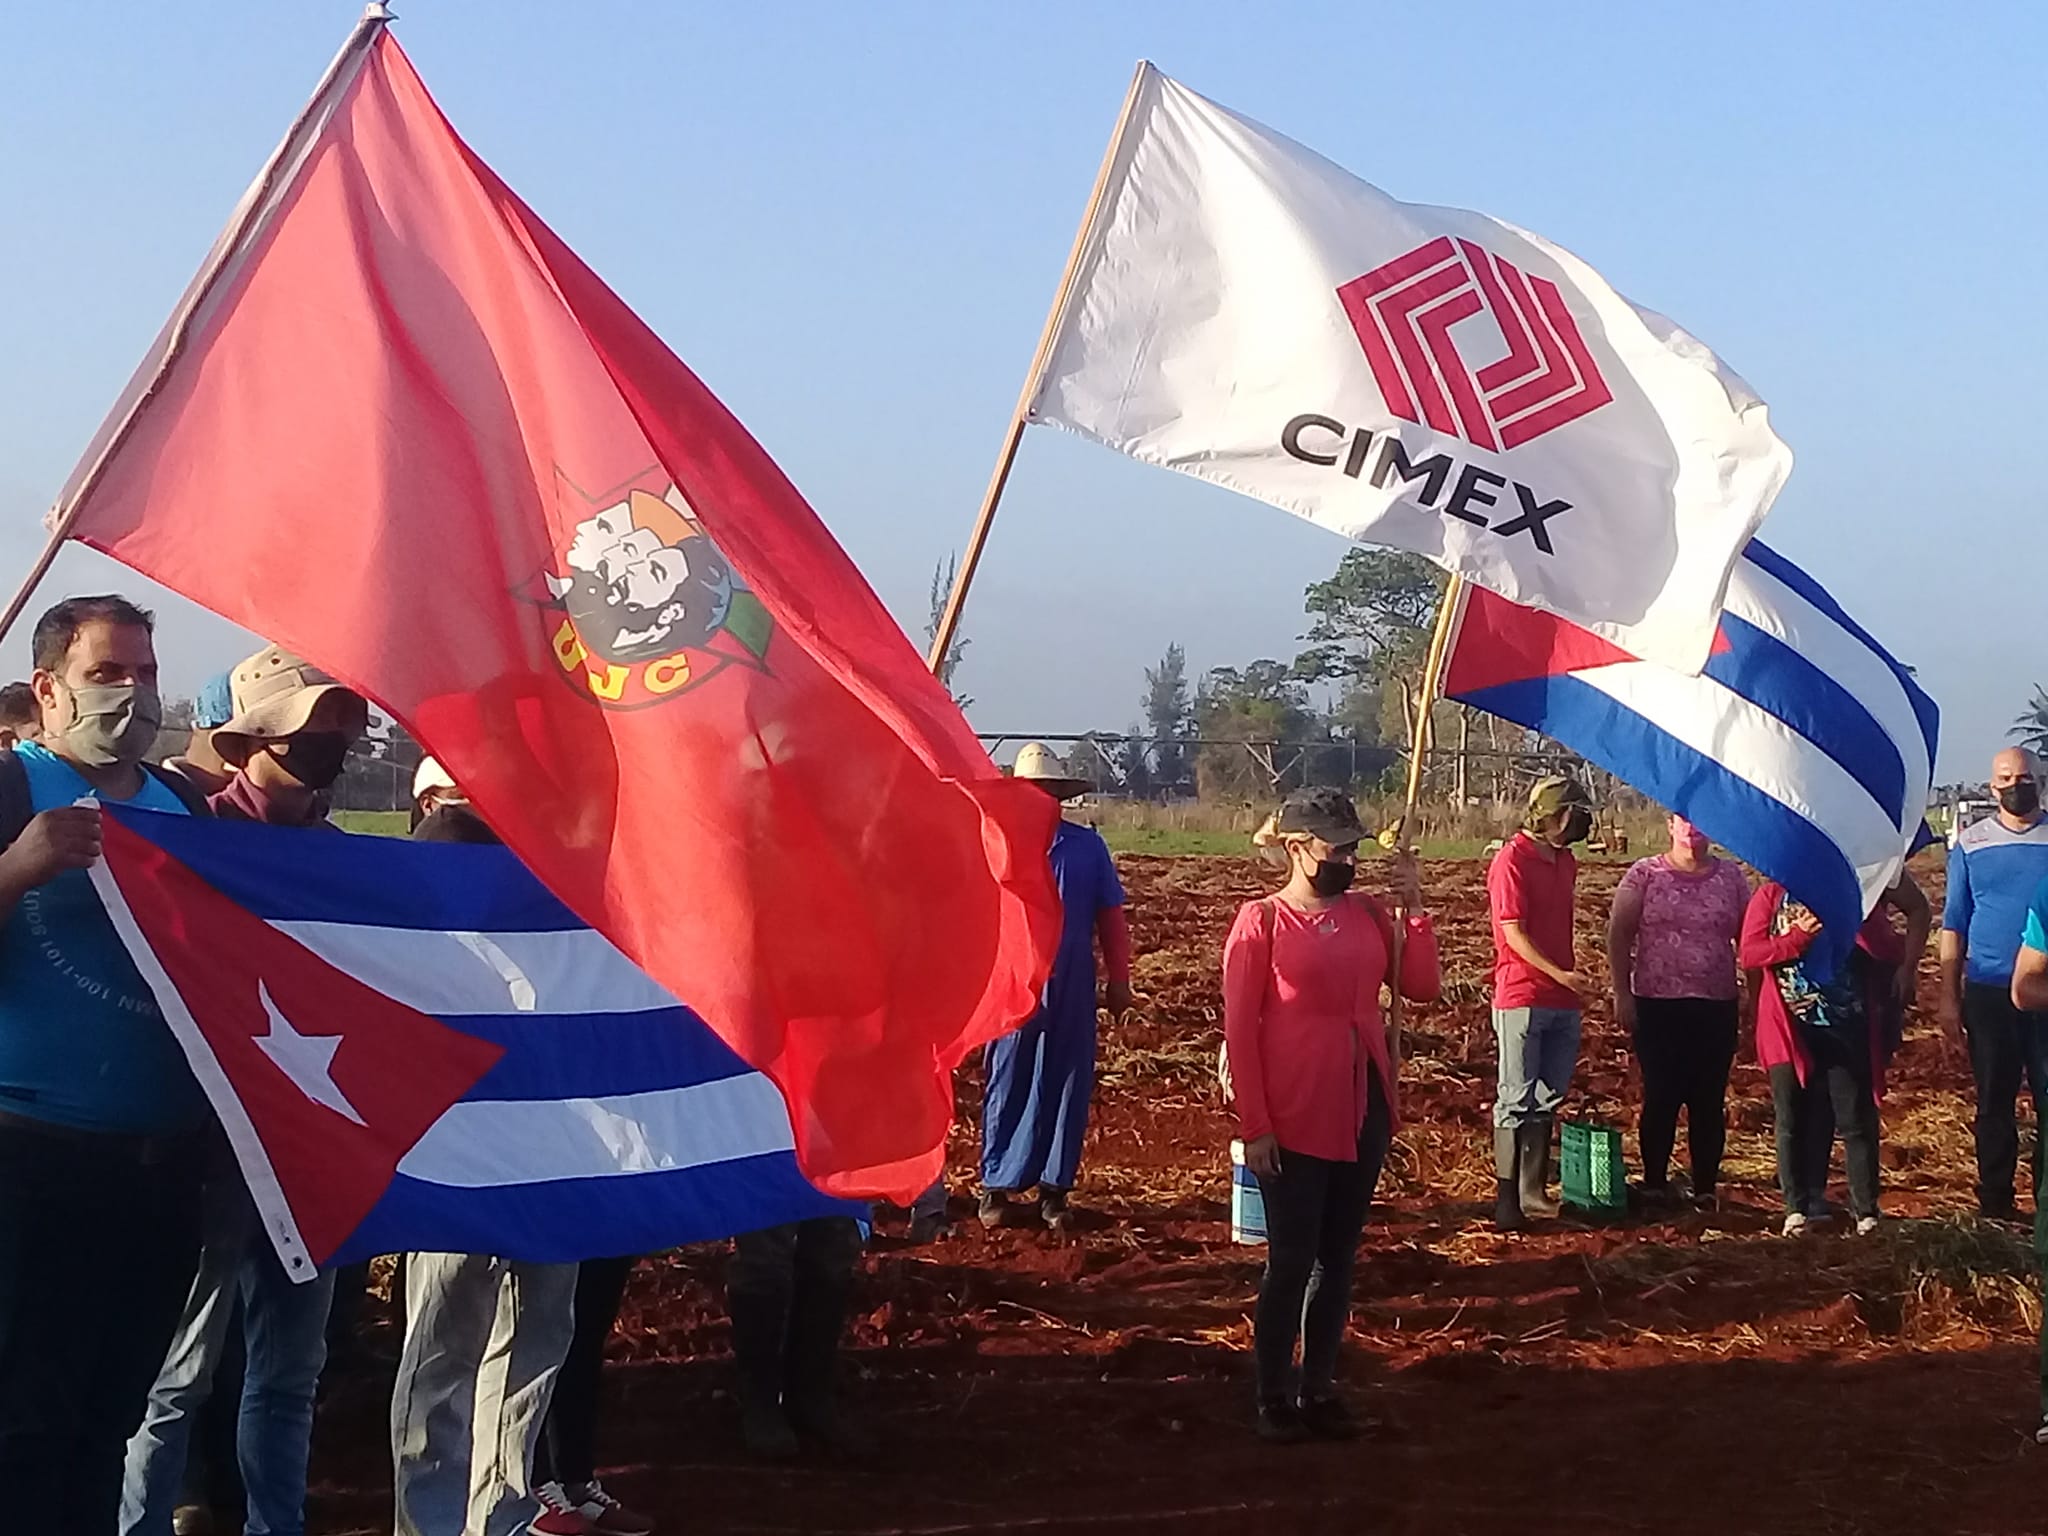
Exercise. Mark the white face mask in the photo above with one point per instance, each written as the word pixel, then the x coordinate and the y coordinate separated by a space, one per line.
pixel 112 723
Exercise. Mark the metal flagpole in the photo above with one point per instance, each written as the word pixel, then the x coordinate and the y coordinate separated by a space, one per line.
pixel 949 621
pixel 1450 613
pixel 258 201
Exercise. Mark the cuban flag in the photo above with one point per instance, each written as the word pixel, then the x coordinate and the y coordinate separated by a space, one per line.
pixel 414 1046
pixel 1804 747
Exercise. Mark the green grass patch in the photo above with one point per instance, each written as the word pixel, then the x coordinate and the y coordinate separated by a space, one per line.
pixel 1176 842
pixel 376 823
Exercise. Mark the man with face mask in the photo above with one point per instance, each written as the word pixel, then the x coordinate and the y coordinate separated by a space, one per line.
pixel 290 729
pixel 1537 993
pixel 290 735
pixel 101 1121
pixel 1993 870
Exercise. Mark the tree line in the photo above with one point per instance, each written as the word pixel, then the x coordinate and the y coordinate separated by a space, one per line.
pixel 1342 710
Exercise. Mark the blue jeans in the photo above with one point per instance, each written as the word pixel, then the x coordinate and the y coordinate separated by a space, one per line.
pixel 284 1329
pixel 484 1339
pixel 1539 1050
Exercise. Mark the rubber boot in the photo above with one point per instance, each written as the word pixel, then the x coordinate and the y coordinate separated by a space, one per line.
pixel 760 1324
pixel 1507 1195
pixel 1533 1139
pixel 817 1320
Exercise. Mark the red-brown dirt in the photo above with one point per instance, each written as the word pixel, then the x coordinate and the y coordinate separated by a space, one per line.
pixel 1682 1375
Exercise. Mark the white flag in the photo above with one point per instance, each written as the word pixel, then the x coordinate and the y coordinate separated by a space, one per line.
pixel 1427 378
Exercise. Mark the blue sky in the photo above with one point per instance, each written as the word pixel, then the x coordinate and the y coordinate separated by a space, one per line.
pixel 849 220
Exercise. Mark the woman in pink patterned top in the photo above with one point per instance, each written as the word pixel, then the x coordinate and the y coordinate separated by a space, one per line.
pixel 1671 952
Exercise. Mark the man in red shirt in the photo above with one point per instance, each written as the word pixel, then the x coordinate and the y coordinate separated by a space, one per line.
pixel 1537 993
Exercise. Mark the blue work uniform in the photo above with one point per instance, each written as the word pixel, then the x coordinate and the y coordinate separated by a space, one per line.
pixel 1034 1107
pixel 1993 873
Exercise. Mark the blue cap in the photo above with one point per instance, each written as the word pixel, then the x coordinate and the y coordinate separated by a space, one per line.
pixel 215 705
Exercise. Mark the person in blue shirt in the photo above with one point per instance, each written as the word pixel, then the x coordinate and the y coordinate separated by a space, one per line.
pixel 2030 996
pixel 101 1121
pixel 1040 1080
pixel 1993 870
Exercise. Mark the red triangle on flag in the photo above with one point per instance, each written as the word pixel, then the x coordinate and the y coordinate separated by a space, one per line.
pixel 1501 642
pixel 338 1079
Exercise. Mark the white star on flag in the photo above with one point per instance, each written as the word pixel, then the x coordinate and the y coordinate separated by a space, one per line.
pixel 308 1060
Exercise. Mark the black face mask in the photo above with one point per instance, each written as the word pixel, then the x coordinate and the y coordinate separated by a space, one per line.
pixel 315 758
pixel 2022 798
pixel 1332 878
pixel 1577 823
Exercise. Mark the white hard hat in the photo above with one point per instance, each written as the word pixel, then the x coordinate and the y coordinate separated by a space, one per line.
pixel 430 775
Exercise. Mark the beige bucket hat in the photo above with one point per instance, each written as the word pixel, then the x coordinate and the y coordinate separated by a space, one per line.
pixel 1042 766
pixel 278 695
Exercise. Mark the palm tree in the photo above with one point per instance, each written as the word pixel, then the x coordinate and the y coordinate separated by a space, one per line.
pixel 2031 727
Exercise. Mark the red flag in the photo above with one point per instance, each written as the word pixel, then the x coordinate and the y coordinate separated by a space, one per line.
pixel 402 430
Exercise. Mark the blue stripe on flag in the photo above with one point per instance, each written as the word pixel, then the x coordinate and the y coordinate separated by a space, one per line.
pixel 1925 710
pixel 571 1219
pixel 1743 819
pixel 451 887
pixel 598 1055
pixel 1779 680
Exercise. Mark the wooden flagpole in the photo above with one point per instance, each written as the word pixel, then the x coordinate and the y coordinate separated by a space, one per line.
pixel 1013 436
pixel 255 202
pixel 1450 614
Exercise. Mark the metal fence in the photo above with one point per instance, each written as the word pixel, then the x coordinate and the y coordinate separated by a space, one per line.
pixel 378 775
pixel 1112 760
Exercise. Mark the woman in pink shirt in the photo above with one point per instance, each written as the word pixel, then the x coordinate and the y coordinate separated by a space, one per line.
pixel 1313 1075
pixel 1671 951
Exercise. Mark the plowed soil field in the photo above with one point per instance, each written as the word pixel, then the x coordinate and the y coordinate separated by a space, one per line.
pixel 1658 1374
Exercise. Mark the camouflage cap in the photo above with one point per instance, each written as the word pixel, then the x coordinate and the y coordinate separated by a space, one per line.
pixel 1549 796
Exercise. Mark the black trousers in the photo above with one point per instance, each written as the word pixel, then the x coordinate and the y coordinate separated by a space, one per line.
pixel 1315 1210
pixel 1836 1093
pixel 567 1450
pixel 99 1240
pixel 1684 1048
pixel 788 1288
pixel 2004 1045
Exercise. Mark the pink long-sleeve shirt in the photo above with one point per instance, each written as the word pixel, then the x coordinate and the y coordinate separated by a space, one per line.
pixel 1301 1017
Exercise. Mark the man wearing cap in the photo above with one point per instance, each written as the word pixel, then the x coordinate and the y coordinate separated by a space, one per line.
pixel 486 1339
pixel 285 743
pixel 434 790
pixel 101 1120
pixel 1034 1109
pixel 1537 992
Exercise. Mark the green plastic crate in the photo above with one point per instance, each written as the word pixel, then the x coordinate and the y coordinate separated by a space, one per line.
pixel 1594 1176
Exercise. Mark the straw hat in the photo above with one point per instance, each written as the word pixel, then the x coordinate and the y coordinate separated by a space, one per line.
pixel 277 695
pixel 1042 766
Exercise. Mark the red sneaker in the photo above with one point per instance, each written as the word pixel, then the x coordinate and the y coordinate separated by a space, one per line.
pixel 606 1515
pixel 559 1514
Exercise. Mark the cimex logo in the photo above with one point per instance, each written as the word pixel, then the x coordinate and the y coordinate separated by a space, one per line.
pixel 1404 312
